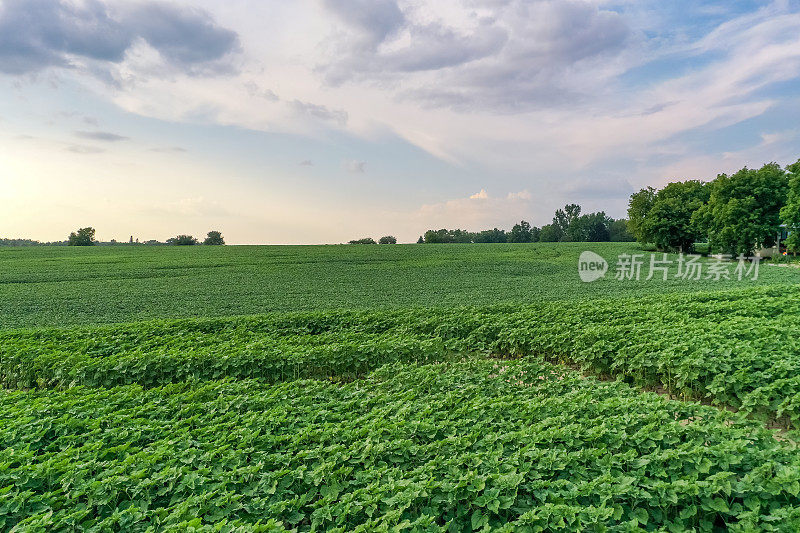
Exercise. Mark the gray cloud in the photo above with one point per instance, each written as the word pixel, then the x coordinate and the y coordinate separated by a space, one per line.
pixel 373 20
pixel 253 89
pixel 306 163
pixel 354 166
pixel 101 136
pixel 183 36
pixel 522 55
pixel 319 111
pixel 35 34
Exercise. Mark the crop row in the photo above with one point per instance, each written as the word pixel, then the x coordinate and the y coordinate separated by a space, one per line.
pixel 738 348
pixel 512 445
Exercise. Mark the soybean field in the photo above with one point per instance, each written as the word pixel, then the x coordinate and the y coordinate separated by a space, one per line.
pixel 392 388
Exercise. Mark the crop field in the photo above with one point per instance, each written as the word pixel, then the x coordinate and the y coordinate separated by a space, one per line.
pixel 392 388
pixel 70 286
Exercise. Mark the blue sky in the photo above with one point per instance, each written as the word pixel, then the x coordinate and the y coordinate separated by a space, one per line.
pixel 324 120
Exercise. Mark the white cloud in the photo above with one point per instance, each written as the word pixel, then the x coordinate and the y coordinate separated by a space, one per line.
pixel 354 166
pixel 482 195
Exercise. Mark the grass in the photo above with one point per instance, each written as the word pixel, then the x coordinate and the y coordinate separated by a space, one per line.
pixel 69 286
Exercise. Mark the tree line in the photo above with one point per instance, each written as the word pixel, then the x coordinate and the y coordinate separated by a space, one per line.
pixel 735 214
pixel 86 237
pixel 568 225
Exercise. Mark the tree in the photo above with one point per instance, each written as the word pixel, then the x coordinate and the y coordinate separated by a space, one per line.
pixel 638 207
pixel 618 231
pixel 550 233
pixel 420 240
pixel 182 240
pixel 790 213
pixel 449 236
pixel 592 227
pixel 521 232
pixel 669 222
pixel 388 239
pixel 365 240
pixel 214 238
pixel 563 219
pixel 83 237
pixel 743 210
pixel 491 236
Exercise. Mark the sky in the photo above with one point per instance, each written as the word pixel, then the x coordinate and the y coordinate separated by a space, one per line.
pixel 321 121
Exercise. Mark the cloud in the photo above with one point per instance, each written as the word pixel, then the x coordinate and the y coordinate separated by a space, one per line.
pixel 101 136
pixel 306 163
pixel 254 90
pixel 354 167
pixel 516 55
pixel 474 215
pixel 482 195
pixel 82 149
pixel 521 195
pixel 36 34
pixel 372 20
pixel 319 111
pixel 169 149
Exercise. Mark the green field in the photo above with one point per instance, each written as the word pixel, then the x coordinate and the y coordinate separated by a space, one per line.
pixel 392 388
pixel 72 285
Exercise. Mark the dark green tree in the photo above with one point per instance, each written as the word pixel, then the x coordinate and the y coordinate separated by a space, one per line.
pixel 564 219
pixel 790 213
pixel 743 210
pixel 83 237
pixel 592 227
pixel 521 232
pixel 618 231
pixel 182 240
pixel 638 207
pixel 550 233
pixel 365 240
pixel 214 238
pixel 491 236
pixel 669 222
pixel 388 239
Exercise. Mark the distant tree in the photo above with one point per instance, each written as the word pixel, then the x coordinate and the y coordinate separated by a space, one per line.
pixel 638 207
pixel 743 210
pixel 521 232
pixel 83 237
pixel 448 236
pixel 182 240
pixel 618 231
pixel 131 240
pixel 565 219
pixel 421 240
pixel 790 213
pixel 550 233
pixel 365 240
pixel 491 236
pixel 592 227
pixel 668 223
pixel 388 239
pixel 214 238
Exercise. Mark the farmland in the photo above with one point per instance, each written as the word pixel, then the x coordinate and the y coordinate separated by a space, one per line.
pixel 70 286
pixel 419 388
